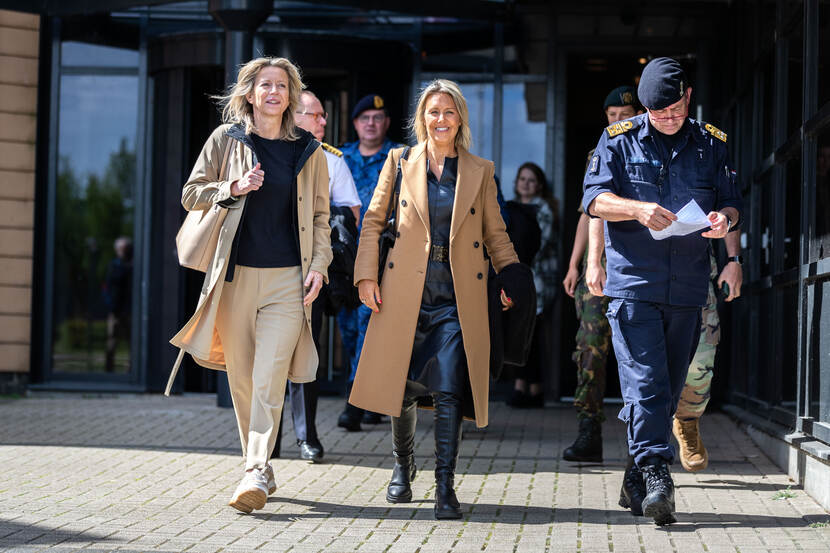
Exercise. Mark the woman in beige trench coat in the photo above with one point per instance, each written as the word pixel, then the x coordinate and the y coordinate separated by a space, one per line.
pixel 254 314
pixel 429 334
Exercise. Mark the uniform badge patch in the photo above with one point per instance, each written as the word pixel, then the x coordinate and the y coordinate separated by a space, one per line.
pixel 716 132
pixel 619 128
pixel 378 102
pixel 594 169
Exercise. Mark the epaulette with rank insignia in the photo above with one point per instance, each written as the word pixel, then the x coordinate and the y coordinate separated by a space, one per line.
pixel 716 132
pixel 332 149
pixel 619 127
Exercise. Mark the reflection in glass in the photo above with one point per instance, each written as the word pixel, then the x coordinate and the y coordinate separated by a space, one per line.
pixel 821 244
pixel 823 52
pixel 480 103
pixel 792 215
pixel 522 140
pixel 95 191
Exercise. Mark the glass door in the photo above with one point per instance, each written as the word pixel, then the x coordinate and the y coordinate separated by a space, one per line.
pixel 94 217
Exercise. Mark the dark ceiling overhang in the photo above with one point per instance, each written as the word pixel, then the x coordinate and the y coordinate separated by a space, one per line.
pixel 75 7
pixel 468 9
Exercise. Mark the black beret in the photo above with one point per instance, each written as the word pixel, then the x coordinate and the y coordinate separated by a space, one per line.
pixel 621 96
pixel 662 83
pixel 370 101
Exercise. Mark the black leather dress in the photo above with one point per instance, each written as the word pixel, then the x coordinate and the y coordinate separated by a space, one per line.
pixel 439 363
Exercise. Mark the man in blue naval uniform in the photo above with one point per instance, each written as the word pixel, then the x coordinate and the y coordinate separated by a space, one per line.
pixel 365 158
pixel 643 171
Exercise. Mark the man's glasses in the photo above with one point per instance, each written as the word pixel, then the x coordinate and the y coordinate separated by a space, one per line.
pixel 377 118
pixel 316 115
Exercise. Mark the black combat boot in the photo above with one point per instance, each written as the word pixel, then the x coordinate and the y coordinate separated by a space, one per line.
pixel 659 501
pixel 447 436
pixel 633 489
pixel 403 440
pixel 587 447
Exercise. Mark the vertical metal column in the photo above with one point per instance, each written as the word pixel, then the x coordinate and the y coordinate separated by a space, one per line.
pixel 806 293
pixel 415 88
pixel 498 97
pixel 142 235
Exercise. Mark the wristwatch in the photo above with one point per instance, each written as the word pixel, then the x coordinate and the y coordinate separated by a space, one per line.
pixel 739 259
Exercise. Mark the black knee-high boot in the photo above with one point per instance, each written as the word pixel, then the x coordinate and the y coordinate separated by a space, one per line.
pixel 447 436
pixel 403 440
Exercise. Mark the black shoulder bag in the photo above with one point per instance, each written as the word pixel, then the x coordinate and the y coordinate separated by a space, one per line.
pixel 386 241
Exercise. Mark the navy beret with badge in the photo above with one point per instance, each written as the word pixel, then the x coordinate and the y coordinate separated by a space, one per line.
pixel 370 101
pixel 621 96
pixel 662 83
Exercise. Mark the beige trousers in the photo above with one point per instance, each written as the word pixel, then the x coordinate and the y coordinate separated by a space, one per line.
pixel 259 320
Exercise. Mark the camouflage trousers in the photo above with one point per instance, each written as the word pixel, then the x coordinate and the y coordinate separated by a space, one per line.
pixel 696 392
pixel 593 341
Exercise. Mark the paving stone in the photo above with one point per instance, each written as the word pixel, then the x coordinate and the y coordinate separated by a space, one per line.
pixel 145 473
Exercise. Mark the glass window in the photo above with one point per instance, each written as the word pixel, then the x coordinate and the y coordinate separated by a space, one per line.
pixel 81 54
pixel 764 188
pixel 522 140
pixel 823 52
pixel 792 214
pixel 95 192
pixel 821 243
pixel 795 79
pixel 479 98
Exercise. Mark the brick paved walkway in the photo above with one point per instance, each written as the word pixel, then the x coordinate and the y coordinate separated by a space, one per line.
pixel 147 473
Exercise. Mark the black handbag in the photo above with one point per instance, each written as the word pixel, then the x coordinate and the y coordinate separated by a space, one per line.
pixel 386 241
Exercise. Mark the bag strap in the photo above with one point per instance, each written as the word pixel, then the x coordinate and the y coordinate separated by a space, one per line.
pixel 397 191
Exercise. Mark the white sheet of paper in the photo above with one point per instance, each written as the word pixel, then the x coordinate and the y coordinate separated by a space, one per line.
pixel 689 219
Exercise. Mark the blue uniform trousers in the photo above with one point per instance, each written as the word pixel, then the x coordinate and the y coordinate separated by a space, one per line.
pixel 654 344
pixel 362 315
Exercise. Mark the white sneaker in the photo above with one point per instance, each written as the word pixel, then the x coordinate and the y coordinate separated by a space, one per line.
pixel 269 474
pixel 252 492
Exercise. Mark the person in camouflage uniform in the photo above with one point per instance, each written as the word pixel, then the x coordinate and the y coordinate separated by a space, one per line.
pixel 593 338
pixel 697 390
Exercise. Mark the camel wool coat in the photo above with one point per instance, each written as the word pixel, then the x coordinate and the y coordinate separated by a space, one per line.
pixel 476 224
pixel 203 189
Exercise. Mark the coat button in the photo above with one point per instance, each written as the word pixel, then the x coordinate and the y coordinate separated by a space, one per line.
pixel 305 259
pixel 475 244
pixel 674 277
pixel 301 198
pixel 391 264
pixel 479 276
pixel 302 229
pixel 403 203
pixel 398 234
pixel 473 210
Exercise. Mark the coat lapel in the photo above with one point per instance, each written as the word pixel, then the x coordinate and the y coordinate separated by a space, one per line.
pixel 467 186
pixel 414 173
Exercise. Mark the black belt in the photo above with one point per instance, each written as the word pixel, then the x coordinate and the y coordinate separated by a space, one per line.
pixel 440 254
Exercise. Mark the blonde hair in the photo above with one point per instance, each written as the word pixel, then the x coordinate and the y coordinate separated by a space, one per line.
pixel 464 138
pixel 237 109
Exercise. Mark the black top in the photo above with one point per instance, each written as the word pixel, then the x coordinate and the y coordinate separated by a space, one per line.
pixel 269 236
pixel 438 287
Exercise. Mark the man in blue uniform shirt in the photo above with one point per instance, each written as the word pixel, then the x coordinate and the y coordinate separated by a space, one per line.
pixel 365 158
pixel 643 171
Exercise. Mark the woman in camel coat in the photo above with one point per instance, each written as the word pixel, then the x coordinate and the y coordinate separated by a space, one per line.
pixel 429 332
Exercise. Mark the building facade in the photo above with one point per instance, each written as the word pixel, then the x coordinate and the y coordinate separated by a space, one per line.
pixel 104 106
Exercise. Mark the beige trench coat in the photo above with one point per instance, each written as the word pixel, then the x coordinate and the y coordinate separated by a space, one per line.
pixel 199 336
pixel 476 224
